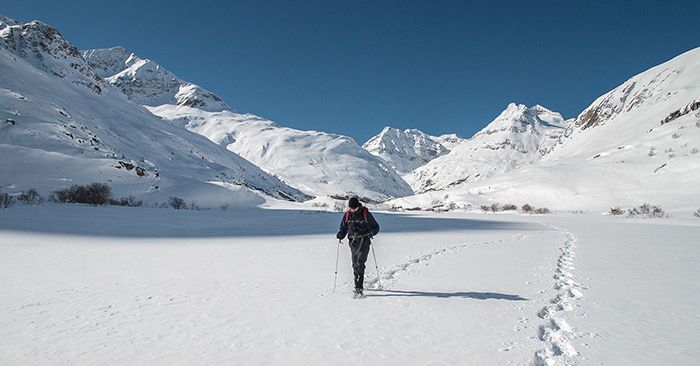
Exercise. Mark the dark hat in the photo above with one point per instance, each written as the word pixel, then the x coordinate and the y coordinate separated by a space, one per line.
pixel 354 202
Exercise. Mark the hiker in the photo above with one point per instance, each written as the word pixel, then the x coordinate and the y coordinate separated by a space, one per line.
pixel 360 226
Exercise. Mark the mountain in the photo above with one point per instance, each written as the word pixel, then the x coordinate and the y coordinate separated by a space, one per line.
pixel 62 124
pixel 519 135
pixel 638 143
pixel 408 149
pixel 145 82
pixel 318 163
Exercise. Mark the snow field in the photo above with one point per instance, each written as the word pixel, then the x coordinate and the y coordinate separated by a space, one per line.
pixel 145 286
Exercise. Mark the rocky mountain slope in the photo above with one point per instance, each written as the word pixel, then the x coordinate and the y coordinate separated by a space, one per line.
pixel 62 124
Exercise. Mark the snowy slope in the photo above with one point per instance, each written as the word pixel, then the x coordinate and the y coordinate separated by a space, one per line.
pixel 60 124
pixel 408 149
pixel 316 162
pixel 616 153
pixel 519 135
pixel 145 82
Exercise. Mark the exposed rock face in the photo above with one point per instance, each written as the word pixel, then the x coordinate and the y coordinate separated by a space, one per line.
pixel 44 47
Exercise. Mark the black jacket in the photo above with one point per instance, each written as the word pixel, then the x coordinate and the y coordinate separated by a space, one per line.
pixel 356 228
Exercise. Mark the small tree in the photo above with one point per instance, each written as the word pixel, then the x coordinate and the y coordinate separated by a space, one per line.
pixel 6 200
pixel 97 194
pixel 509 207
pixel 177 203
pixel 30 197
pixel 527 208
pixel 541 210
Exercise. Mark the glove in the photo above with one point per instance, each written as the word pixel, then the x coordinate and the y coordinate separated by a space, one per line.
pixel 339 236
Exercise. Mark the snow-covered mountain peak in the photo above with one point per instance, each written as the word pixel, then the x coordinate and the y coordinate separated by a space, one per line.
pixel 405 150
pixel 43 46
pixel 7 22
pixel 146 82
pixel 518 118
pixel 518 135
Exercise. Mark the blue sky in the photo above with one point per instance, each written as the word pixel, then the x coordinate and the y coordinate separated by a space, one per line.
pixel 352 67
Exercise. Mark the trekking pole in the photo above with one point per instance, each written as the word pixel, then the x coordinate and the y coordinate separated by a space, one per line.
pixel 379 282
pixel 337 254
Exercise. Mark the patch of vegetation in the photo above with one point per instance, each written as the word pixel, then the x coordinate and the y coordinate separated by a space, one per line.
pixel 6 200
pixel 30 197
pixel 95 194
pixel 647 210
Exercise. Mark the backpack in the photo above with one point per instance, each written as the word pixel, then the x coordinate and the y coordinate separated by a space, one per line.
pixel 364 215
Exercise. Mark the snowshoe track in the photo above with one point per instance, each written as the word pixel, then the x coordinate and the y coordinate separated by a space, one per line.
pixel 556 333
pixel 388 277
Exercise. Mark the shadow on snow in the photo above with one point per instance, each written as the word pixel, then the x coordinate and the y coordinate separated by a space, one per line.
pixel 466 295
pixel 168 223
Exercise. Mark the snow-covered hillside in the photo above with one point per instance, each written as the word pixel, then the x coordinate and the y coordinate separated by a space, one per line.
pixel 517 136
pixel 316 162
pixel 617 152
pixel 61 124
pixel 408 149
pixel 145 82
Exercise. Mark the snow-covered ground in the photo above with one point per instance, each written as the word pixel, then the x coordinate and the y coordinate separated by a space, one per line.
pixel 139 286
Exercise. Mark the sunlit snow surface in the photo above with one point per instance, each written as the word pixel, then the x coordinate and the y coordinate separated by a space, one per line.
pixel 131 286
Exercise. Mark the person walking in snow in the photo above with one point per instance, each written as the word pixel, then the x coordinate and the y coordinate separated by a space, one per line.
pixel 360 226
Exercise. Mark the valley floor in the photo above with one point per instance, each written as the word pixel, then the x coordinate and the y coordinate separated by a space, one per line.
pixel 137 286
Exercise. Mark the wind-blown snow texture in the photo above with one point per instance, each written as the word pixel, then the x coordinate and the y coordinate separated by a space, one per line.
pixel 316 162
pixel 61 124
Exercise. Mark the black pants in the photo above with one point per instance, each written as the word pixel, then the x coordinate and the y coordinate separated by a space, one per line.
pixel 359 249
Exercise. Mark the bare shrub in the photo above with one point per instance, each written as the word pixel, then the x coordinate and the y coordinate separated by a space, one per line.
pixel 697 213
pixel 486 208
pixel 177 203
pixel 647 210
pixel 6 200
pixel 94 194
pixel 541 210
pixel 616 211
pixel 527 208
pixel 509 207
pixel 30 197
pixel 129 201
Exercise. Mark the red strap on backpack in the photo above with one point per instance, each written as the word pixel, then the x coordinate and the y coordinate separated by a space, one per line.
pixel 364 214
